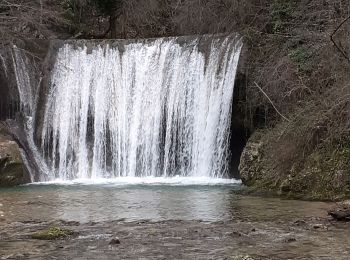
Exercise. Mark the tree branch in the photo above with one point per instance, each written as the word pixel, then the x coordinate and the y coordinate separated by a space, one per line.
pixel 335 44
pixel 268 98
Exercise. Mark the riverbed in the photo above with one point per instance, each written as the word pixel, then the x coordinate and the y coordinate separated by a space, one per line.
pixel 158 220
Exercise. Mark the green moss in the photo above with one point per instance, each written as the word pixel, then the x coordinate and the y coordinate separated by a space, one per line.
pixel 52 233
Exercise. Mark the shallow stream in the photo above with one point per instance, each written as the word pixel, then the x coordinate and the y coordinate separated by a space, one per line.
pixel 175 219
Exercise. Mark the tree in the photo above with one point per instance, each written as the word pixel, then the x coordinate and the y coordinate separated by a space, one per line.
pixel 110 8
pixel 29 19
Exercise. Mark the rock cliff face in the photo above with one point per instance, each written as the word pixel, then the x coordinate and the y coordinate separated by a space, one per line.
pixel 12 169
pixel 250 168
pixel 321 175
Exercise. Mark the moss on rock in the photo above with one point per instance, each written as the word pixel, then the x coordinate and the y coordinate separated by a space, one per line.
pixel 52 233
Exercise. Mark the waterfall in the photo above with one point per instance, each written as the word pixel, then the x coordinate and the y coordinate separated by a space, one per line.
pixel 157 107
pixel 27 88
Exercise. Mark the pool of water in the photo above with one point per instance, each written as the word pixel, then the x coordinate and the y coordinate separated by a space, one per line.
pixel 151 199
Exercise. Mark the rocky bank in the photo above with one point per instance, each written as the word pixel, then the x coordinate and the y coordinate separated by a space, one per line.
pixel 272 163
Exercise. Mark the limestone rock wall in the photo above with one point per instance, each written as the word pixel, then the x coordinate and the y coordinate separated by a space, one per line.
pixel 270 164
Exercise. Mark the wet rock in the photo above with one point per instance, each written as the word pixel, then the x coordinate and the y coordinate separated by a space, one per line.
pixel 142 222
pixel 114 241
pixel 319 226
pixel 70 223
pixel 290 240
pixel 53 233
pixel 13 256
pixel 300 222
pixel 237 234
pixel 242 257
pixel 341 212
pixel 12 169
pixel 30 222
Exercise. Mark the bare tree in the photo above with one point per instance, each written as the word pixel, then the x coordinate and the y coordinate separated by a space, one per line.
pixel 28 19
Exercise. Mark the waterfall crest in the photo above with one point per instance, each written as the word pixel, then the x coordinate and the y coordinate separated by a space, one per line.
pixel 157 108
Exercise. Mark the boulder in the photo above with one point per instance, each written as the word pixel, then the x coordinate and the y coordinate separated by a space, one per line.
pixel 341 211
pixel 12 169
pixel 114 241
pixel 250 163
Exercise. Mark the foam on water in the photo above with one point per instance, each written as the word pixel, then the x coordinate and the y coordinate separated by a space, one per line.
pixel 130 181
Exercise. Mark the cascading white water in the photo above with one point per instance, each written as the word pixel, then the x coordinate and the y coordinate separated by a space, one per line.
pixel 28 94
pixel 152 108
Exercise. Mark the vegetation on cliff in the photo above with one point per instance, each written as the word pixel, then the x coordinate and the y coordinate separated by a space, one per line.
pixel 304 147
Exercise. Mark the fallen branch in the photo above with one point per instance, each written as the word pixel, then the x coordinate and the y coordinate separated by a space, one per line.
pixel 335 44
pixel 268 98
